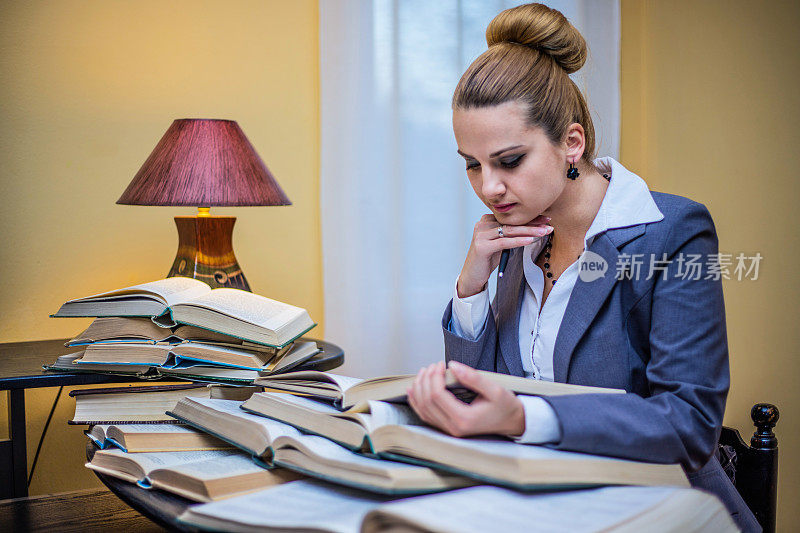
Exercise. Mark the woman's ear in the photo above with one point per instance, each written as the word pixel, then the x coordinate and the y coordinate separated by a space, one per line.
pixel 574 142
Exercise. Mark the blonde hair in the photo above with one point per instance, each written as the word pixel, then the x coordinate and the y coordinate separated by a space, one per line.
pixel 532 51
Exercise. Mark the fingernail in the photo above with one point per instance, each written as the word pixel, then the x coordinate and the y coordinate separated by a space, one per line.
pixel 548 229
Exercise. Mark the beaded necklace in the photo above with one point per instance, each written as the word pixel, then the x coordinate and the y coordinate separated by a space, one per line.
pixel 548 246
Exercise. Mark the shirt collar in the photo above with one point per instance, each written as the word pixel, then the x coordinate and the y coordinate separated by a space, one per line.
pixel 627 202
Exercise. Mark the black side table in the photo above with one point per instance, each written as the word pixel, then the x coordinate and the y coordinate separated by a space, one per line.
pixel 21 368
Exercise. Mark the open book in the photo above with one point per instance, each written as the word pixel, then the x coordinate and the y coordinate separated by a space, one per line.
pixel 203 374
pixel 349 428
pixel 132 329
pixel 201 475
pixel 392 431
pixel 523 467
pixel 178 300
pixel 188 354
pixel 153 438
pixel 275 443
pixel 467 510
pixel 148 404
pixel 346 391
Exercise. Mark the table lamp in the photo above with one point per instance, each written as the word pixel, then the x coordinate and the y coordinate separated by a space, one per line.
pixel 205 163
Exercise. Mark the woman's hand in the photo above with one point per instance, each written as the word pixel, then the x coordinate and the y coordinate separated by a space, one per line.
pixel 487 245
pixel 495 410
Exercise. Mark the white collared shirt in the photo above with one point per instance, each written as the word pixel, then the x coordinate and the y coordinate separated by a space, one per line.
pixel 627 202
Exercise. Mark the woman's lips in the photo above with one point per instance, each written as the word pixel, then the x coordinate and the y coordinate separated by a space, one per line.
pixel 502 208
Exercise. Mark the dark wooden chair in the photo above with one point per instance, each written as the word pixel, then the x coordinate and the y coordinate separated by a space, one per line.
pixel 754 469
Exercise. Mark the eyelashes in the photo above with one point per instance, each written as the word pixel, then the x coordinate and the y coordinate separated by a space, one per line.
pixel 508 162
pixel 512 162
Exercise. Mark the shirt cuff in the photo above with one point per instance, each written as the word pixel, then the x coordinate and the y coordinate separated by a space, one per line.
pixel 541 422
pixel 469 314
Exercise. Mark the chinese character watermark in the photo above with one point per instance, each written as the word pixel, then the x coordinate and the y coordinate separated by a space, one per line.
pixel 684 266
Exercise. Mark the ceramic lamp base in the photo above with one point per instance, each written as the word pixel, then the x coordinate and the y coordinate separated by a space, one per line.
pixel 205 252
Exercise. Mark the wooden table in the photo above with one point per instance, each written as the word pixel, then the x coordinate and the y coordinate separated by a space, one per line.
pixel 81 511
pixel 21 368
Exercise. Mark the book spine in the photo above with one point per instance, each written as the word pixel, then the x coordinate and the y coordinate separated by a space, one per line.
pixel 114 422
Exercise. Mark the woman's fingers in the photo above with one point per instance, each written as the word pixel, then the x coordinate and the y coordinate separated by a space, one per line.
pixel 442 416
pixel 517 231
pixel 422 403
pixel 415 396
pixel 474 381
pixel 425 396
pixel 507 243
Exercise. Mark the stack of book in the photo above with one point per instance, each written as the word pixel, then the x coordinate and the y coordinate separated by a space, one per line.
pixel 137 442
pixel 181 328
pixel 377 466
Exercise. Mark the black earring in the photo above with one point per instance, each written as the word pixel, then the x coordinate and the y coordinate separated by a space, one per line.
pixel 572 173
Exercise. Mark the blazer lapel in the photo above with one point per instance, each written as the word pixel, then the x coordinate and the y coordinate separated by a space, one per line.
pixel 588 296
pixel 509 296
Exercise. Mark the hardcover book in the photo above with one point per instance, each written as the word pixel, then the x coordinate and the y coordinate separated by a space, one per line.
pixel 188 301
pixel 202 476
pixel 346 391
pixel 274 443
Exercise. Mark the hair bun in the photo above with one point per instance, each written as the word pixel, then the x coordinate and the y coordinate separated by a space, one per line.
pixel 542 28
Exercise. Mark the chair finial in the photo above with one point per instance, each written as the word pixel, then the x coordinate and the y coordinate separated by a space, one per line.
pixel 765 416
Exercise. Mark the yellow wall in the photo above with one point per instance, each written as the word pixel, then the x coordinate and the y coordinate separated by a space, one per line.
pixel 710 110
pixel 87 89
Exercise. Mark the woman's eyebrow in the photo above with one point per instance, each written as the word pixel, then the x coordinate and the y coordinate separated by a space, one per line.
pixel 495 154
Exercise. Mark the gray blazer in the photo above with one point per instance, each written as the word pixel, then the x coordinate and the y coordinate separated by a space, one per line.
pixel 664 341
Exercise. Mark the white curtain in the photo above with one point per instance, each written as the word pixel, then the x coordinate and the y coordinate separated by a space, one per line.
pixel 396 209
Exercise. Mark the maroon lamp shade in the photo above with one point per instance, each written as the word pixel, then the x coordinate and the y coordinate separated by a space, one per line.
pixel 204 163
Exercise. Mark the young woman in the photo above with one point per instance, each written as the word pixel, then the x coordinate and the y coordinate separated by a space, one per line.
pixel 607 284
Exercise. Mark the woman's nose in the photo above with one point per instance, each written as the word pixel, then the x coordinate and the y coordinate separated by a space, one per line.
pixel 492 186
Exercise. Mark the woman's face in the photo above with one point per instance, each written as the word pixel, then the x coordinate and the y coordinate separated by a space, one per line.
pixel 514 169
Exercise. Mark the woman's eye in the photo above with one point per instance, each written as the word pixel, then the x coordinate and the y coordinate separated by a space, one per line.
pixel 472 164
pixel 512 161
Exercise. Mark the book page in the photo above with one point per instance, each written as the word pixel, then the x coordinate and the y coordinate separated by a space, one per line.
pixel 168 290
pixel 151 460
pixel 312 377
pixel 193 333
pixel 121 328
pixel 249 307
pixel 177 289
pixel 219 467
pixel 501 447
pixel 300 352
pixel 209 372
pixel 300 401
pixel 97 434
pixel 328 451
pixel 344 382
pixel 274 428
pixel 488 508
pixel 374 414
pixel 306 504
